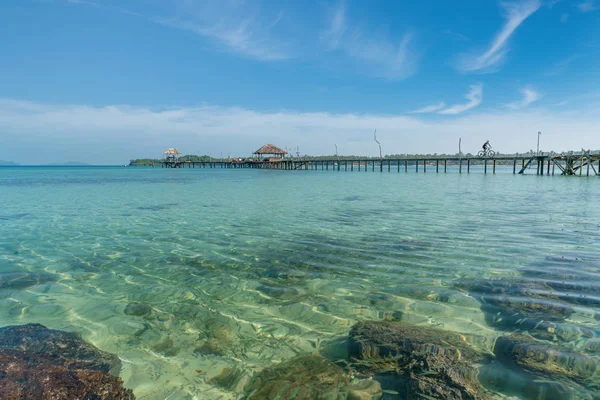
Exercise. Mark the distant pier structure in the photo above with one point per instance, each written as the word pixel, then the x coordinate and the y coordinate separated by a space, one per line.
pixel 171 158
pixel 584 163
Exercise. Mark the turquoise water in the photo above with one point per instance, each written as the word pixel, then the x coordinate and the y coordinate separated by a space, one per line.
pixel 273 263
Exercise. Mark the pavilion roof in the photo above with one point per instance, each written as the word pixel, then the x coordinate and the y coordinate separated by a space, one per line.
pixel 172 150
pixel 270 149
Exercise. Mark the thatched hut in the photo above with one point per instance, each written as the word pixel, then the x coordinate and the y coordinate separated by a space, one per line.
pixel 172 154
pixel 271 152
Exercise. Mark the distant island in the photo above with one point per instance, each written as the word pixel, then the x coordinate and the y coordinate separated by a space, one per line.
pixel 8 163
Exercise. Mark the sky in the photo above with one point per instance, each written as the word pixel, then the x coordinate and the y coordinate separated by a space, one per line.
pixel 106 81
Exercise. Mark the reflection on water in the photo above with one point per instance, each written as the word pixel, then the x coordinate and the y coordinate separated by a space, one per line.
pixel 198 280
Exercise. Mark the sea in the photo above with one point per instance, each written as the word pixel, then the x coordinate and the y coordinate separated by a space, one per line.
pixel 249 268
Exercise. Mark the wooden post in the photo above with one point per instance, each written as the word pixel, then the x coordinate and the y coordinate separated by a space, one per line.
pixel 514 166
pixel 553 165
pixel 417 166
pixel 398 165
pixel 588 169
pixel 437 166
pixel 460 165
pixel 405 165
pixel 494 168
pixel 424 165
pixel 445 166
pixel 358 165
pixel 485 166
pixel 373 166
pixel 389 165
pixel 469 166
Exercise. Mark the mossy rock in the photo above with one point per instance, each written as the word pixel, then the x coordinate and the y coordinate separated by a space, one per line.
pixel 301 378
pixel 425 361
pixel 551 361
pixel 46 364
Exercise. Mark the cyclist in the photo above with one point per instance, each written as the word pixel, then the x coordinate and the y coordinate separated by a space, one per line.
pixel 486 146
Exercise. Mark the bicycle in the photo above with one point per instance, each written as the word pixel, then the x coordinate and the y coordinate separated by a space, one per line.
pixel 489 153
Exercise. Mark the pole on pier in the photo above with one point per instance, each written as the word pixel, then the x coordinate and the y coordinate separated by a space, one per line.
pixel 437 166
pixel 445 165
pixel 398 165
pixel 485 166
pixel 417 166
pixel 494 167
pixel 469 166
pixel 389 165
pixel 424 165
pixel 405 165
pixel 514 166
pixel 548 171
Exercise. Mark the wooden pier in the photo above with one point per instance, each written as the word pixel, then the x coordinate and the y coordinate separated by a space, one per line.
pixel 581 164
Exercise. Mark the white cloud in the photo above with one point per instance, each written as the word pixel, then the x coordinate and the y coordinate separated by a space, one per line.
pixel 429 109
pixel 380 56
pixel 488 61
pixel 588 6
pixel 474 97
pixel 529 96
pixel 41 132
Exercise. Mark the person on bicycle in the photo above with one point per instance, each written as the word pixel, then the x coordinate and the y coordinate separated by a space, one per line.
pixel 486 146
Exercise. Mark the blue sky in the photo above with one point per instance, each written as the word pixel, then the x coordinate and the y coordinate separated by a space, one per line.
pixel 103 81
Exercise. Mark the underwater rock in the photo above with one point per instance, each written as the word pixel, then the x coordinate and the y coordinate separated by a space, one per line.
pixel 231 378
pixel 41 363
pixel 306 377
pixel 137 309
pixel 281 292
pixel 367 389
pixel 219 334
pixel 425 361
pixel 530 355
pixel 24 280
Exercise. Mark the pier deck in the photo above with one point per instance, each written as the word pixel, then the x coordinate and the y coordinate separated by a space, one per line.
pixel 586 164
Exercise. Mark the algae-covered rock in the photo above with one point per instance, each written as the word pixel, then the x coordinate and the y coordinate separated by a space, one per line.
pixel 137 309
pixel 301 378
pixel 67 346
pixel 530 355
pixel 46 364
pixel 425 361
pixel 24 280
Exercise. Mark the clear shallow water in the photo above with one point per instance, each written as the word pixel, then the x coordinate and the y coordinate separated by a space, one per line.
pixel 271 264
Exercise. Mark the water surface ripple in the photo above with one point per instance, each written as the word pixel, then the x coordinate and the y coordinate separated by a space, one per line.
pixel 272 264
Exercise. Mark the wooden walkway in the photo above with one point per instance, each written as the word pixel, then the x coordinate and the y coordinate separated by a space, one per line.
pixel 573 164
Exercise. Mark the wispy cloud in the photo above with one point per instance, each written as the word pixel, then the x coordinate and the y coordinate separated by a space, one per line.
pixel 474 97
pixel 429 109
pixel 588 6
pixel 564 18
pixel 236 27
pixel 529 96
pixel 239 36
pixel 457 35
pixel 385 58
pixel 334 34
pixel 561 66
pixel 488 61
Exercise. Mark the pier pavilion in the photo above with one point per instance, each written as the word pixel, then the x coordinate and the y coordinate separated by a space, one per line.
pixel 272 153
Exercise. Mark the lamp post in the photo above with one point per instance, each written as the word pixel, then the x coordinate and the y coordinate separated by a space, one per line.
pixel 538 144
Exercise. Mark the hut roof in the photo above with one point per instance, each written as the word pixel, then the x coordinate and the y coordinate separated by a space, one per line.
pixel 172 150
pixel 270 149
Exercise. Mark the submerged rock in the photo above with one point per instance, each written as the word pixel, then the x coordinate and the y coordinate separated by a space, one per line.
pixel 137 309
pixel 41 363
pixel 24 280
pixel 551 361
pixel 302 378
pixel 424 361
